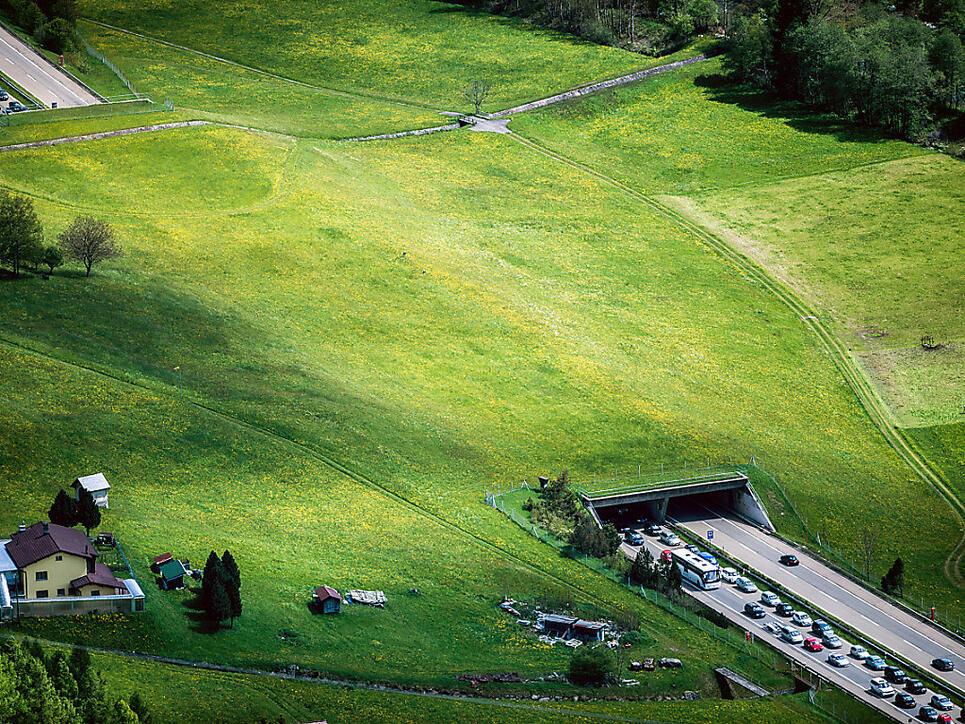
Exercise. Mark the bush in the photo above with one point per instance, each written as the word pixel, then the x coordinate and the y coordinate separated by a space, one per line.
pixel 58 36
pixel 592 666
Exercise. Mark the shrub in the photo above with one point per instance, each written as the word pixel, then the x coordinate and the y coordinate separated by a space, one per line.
pixel 592 666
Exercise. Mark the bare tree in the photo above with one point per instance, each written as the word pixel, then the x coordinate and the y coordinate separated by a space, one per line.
pixel 476 93
pixel 89 241
pixel 868 550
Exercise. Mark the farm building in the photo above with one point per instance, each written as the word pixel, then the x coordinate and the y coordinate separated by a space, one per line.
pixel 96 485
pixel 328 599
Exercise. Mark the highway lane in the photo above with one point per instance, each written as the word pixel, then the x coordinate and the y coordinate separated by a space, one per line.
pixel 871 616
pixel 31 72
pixel 854 678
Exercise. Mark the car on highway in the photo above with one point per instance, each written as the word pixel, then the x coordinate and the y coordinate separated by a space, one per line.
pixel 666 556
pixel 746 585
pixel 784 609
pixel 838 659
pixel 709 557
pixel 927 713
pixel 3 95
pixel 880 687
pixel 941 702
pixel 668 537
pixel 791 635
pixel 821 628
pixel 831 641
pixel 633 538
pixel 789 559
pixel 769 598
pixel 944 718
pixel 943 664
pixel 875 663
pixel 693 549
pixel 754 610
pixel 914 686
pixel 728 575
pixel 812 644
pixel 16 106
pixel 652 529
pixel 799 618
pixel 895 675
pixel 772 627
pixel 859 652
pixel 904 701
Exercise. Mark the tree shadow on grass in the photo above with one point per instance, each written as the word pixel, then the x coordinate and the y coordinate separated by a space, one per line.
pixel 720 89
pixel 200 623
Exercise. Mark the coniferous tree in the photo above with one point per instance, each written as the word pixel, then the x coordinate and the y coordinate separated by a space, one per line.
pixel 231 568
pixel 64 510
pixel 893 582
pixel 88 513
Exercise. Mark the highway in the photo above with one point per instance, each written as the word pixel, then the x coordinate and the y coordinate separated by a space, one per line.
pixel 854 678
pixel 21 64
pixel 859 609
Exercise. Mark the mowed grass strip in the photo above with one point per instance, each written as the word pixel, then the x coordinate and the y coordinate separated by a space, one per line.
pixel 689 130
pixel 205 88
pixel 419 50
pixel 878 250
pixel 450 313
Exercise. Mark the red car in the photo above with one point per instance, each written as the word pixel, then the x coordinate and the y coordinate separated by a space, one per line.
pixel 665 556
pixel 812 644
pixel 944 719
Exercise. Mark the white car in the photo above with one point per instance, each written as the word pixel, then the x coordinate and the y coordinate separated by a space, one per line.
pixel 769 598
pixel 880 687
pixel 791 635
pixel 801 619
pixel 772 627
pixel 728 575
pixel 669 538
pixel 859 652
pixel 838 659
pixel 745 585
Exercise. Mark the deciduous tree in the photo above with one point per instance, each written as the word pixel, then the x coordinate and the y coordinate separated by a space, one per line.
pixel 89 241
pixel 20 231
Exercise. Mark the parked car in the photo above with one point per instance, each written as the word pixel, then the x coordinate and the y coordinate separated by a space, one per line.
pixel 927 713
pixel 821 628
pixel 652 529
pixel 838 659
pixel 784 609
pixel 633 538
pixel 875 663
pixel 904 701
pixel 772 628
pixel 728 575
pixel 880 687
pixel 789 559
pixel 745 585
pixel 859 652
pixel 941 702
pixel 831 641
pixel 914 686
pixel 895 675
pixel 754 610
pixel 791 635
pixel 769 598
pixel 812 644
pixel 668 537
pixel 799 618
pixel 943 664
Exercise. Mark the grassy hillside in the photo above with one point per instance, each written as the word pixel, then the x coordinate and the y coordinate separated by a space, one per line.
pixel 688 131
pixel 417 50
pixel 537 320
pixel 878 250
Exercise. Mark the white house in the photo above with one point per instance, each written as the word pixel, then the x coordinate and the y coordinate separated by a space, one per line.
pixel 96 485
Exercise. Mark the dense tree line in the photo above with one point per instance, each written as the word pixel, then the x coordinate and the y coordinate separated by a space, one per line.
pixel 649 26
pixel 40 688
pixel 879 68
pixel 51 22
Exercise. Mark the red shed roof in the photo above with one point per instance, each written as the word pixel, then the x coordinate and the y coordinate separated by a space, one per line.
pixel 45 539
pixel 323 593
pixel 158 560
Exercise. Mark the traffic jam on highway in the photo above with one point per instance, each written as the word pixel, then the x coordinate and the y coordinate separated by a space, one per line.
pixel 765 614
pixel 10 105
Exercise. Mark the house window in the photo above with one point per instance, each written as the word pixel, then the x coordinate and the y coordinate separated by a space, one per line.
pixel 90 565
pixel 95 593
pixel 58 558
pixel 41 576
pixel 61 592
pixel 41 594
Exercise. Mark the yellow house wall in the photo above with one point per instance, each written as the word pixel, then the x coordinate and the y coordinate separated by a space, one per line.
pixel 59 574
pixel 89 590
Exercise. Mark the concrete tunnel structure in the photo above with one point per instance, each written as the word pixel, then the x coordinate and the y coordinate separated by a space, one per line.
pixel 731 491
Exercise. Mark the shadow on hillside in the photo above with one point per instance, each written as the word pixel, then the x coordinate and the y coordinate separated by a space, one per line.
pixel 798 116
pixel 196 615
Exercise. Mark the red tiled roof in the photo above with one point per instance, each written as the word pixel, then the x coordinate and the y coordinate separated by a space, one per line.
pixel 158 560
pixel 34 544
pixel 102 576
pixel 323 593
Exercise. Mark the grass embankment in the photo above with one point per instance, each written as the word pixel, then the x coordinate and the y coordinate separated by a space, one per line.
pixel 419 50
pixel 28 132
pixel 522 331
pixel 878 251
